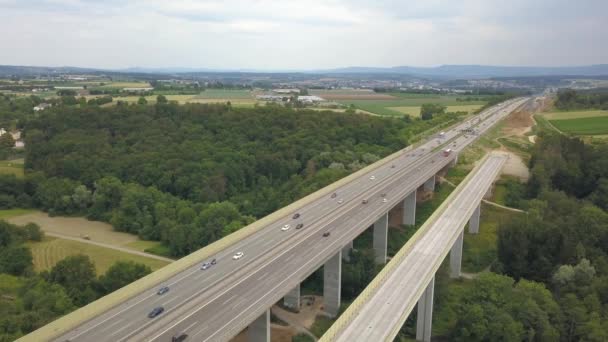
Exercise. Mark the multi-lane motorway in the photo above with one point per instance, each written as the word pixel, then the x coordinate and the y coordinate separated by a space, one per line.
pixel 215 304
pixel 381 315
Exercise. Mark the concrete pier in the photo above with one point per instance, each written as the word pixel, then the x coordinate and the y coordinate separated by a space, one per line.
pixel 292 298
pixel 456 256
pixel 425 313
pixel 474 221
pixel 259 330
pixel 332 277
pixel 409 209
pixel 381 239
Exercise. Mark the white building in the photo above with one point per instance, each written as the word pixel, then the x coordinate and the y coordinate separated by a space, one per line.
pixel 310 99
pixel 41 106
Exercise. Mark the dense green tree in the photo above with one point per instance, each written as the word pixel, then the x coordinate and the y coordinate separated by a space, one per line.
pixel 15 260
pixel 76 274
pixel 122 273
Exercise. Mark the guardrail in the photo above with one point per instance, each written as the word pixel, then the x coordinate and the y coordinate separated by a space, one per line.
pixel 353 310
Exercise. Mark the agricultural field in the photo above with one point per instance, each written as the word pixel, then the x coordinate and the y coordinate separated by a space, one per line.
pixel 398 104
pixel 236 97
pixel 8 213
pixel 414 111
pixel 12 167
pixel 76 227
pixel 51 250
pixel 579 122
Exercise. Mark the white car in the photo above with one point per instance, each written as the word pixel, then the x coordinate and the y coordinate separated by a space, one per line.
pixel 285 227
pixel 384 200
pixel 237 256
pixel 340 201
pixel 372 177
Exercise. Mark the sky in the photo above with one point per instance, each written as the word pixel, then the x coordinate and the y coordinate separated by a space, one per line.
pixel 302 34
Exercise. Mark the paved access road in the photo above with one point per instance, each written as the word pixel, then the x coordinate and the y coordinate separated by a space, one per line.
pixel 383 314
pixel 204 302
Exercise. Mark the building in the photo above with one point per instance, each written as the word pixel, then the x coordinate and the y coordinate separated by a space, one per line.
pixel 286 91
pixel 42 106
pixel 310 99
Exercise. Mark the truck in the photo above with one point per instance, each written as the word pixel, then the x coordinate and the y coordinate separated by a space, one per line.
pixel 447 152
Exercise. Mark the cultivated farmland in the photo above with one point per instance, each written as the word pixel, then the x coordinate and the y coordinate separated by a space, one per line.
pixel 51 250
pixel 583 126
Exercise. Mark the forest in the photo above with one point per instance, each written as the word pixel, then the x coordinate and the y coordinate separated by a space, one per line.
pixel 570 99
pixel 188 175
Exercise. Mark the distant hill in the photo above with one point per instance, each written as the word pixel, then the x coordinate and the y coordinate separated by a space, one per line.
pixel 477 71
pixel 443 71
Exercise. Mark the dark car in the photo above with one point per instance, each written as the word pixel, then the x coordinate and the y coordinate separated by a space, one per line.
pixel 300 225
pixel 213 262
pixel 163 290
pixel 326 234
pixel 334 195
pixel 364 201
pixel 296 215
pixel 156 311
pixel 179 338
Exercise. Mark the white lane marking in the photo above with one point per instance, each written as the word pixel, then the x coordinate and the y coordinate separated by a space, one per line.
pixel 200 331
pixel 128 307
pixel 190 326
pixel 111 325
pixel 171 300
pixel 229 299
pixel 123 328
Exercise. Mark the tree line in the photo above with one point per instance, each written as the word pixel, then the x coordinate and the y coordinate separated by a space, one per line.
pixel 570 99
pixel 30 300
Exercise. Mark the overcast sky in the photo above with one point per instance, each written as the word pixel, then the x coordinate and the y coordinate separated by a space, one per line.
pixel 307 34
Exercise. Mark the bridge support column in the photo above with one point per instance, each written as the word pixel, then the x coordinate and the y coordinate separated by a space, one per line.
pixel 429 185
pixel 292 298
pixel 259 330
pixel 489 193
pixel 332 277
pixel 425 313
pixel 381 239
pixel 456 257
pixel 346 251
pixel 474 221
pixel 409 209
pixel 455 160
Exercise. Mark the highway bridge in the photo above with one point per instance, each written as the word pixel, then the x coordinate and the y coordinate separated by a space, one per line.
pixel 408 279
pixel 217 303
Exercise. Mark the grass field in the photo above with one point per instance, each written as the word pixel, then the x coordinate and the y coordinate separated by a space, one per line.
pixel 414 111
pixel 236 97
pixel 583 126
pixel 574 114
pixel 8 213
pixel 51 250
pixel 76 227
pixel 406 102
pixel 12 167
pixel 224 94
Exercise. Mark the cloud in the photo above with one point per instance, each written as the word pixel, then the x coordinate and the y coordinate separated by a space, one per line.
pixel 301 34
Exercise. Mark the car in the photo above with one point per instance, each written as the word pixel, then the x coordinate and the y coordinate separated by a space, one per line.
pixel 213 262
pixel 364 201
pixel 300 225
pixel 156 311
pixel 326 234
pixel 393 166
pixel 384 200
pixel 179 338
pixel 383 194
pixel 237 256
pixel 334 195
pixel 340 201
pixel 205 265
pixel 295 216
pixel 372 177
pixel 162 290
pixel 285 227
